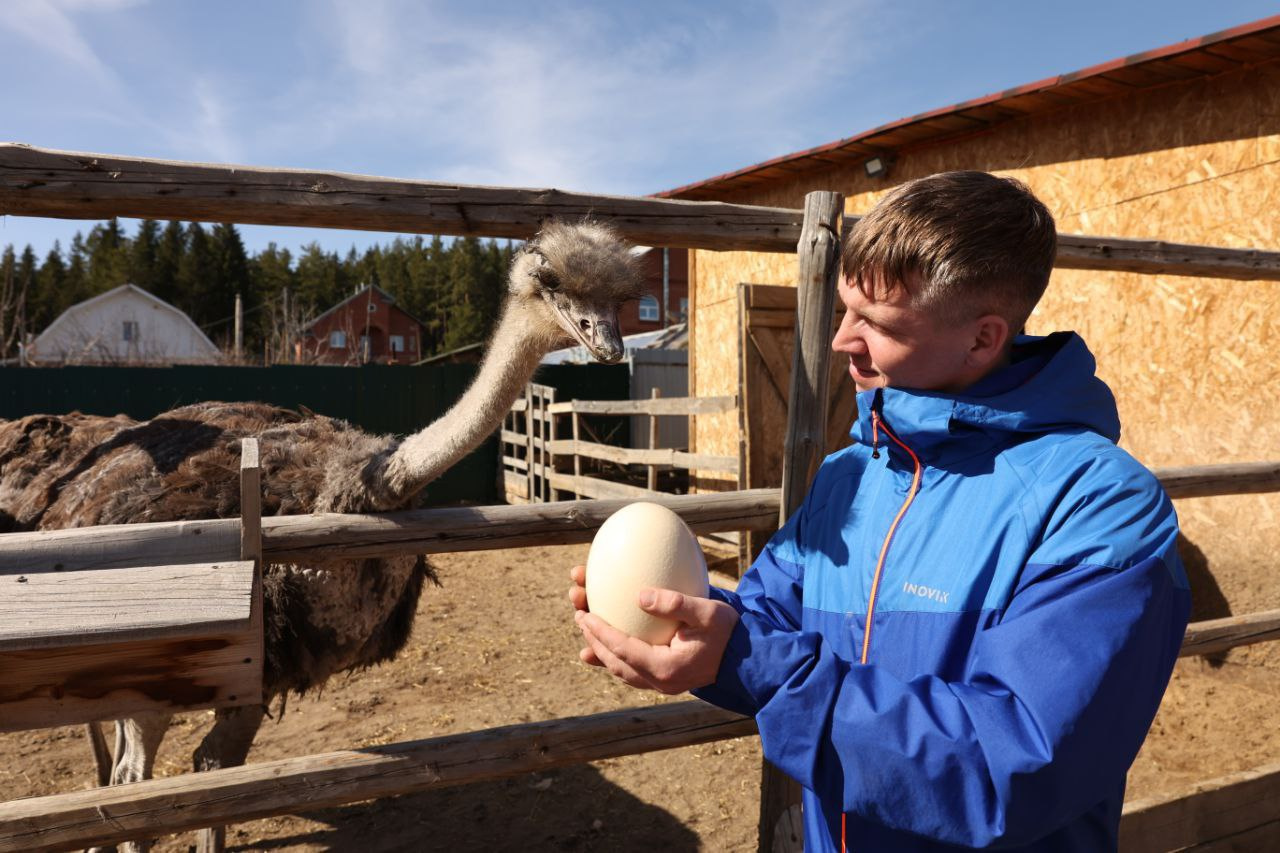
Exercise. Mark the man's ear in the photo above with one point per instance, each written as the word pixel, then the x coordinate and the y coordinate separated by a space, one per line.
pixel 990 341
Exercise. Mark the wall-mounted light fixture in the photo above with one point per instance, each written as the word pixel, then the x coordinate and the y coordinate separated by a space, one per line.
pixel 877 167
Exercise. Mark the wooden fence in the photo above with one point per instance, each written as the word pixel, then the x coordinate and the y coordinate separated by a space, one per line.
pixel 39 182
pixel 540 465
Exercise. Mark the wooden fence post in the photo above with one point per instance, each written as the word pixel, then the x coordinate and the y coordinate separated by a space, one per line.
pixel 653 441
pixel 780 826
pixel 213 839
pixel 530 479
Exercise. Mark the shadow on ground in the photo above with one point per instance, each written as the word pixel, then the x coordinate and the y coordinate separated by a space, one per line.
pixel 574 808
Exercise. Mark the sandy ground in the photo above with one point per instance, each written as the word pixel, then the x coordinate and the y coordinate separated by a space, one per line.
pixel 495 645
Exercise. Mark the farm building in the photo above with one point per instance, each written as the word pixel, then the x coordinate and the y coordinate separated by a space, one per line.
pixel 365 327
pixel 1179 144
pixel 125 325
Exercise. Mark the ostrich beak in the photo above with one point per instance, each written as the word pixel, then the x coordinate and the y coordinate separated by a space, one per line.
pixel 593 326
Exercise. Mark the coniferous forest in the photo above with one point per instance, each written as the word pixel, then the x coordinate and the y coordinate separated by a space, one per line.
pixel 455 290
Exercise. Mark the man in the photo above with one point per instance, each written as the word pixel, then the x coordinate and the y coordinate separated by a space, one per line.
pixel 962 636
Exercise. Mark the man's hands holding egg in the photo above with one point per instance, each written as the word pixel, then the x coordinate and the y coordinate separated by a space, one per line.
pixel 691 660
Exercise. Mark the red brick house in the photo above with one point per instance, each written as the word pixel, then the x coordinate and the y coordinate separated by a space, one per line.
pixel 646 315
pixel 366 327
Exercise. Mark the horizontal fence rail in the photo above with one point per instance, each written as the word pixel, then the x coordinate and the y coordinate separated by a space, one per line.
pixel 194 800
pixel 77 185
pixel 74 185
pixel 430 531
pixel 651 406
pixel 640 456
pixel 322 536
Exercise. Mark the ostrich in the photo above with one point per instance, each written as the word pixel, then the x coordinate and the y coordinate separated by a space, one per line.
pixel 330 616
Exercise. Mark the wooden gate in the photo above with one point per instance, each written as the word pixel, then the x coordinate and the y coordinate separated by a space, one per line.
pixel 766 339
pixel 527 433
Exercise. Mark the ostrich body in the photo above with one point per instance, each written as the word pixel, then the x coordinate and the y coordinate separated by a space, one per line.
pixel 327 616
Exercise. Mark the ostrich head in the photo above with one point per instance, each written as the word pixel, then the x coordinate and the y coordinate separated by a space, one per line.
pixel 578 275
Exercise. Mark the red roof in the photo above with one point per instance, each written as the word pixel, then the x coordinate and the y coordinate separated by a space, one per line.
pixel 1228 50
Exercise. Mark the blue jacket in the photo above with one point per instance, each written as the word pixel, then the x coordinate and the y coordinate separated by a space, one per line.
pixel 1026 609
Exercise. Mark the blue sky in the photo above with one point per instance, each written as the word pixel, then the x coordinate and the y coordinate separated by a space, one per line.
pixel 606 97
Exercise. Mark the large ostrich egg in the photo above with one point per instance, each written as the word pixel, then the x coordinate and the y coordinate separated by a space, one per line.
pixel 642 545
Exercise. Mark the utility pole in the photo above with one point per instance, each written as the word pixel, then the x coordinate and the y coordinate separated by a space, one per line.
pixel 239 327
pixel 288 328
pixel 666 285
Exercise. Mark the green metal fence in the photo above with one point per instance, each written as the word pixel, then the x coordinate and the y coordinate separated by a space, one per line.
pixel 377 398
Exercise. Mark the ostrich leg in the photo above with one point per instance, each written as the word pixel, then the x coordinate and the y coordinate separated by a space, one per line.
pixel 137 742
pixel 226 745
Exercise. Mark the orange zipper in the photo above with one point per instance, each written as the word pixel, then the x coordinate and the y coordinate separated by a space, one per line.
pixel 876 426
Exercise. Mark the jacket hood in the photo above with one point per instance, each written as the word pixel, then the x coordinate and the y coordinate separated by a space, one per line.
pixel 1049 386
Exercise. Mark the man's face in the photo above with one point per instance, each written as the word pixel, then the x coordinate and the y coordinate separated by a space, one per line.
pixel 889 343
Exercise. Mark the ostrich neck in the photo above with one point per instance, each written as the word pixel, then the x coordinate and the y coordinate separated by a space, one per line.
pixel 514 353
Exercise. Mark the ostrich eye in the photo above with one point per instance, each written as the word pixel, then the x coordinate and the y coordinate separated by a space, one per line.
pixel 549 280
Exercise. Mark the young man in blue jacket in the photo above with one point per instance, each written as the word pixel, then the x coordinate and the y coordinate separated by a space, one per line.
pixel 963 635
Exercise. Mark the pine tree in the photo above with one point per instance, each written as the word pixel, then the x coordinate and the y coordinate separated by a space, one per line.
pixel 197 288
pixel 466 300
pixel 170 249
pixel 51 280
pixel 145 247
pixel 108 249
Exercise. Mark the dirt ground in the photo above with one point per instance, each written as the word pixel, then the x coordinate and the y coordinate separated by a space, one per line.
pixel 495 645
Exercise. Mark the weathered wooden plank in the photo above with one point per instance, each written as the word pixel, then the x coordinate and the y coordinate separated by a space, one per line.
pixel 1217 635
pixel 819 262
pixel 250 501
pixel 1120 254
pixel 1239 804
pixel 1115 254
pixel 439 530
pixel 660 406
pixel 596 488
pixel 120 546
pixel 1199 481
pixel 75 185
pixel 91 607
pixel 178 803
pixel 430 531
pixel 61 686
pixel 640 456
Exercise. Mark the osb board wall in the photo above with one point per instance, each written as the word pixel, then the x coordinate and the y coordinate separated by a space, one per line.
pixel 1193 362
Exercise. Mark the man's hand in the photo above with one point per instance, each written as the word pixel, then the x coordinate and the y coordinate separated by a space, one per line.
pixel 691 660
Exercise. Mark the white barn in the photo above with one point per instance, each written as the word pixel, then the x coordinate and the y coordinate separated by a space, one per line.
pixel 126 325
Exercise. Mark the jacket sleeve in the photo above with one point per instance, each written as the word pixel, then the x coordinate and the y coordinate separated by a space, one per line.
pixel 1057 698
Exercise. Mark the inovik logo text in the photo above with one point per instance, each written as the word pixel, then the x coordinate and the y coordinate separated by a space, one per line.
pixel 926 592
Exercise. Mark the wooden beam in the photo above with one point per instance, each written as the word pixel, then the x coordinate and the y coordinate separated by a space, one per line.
pixel 1115 254
pixel 640 456
pixel 660 406
pixel 1240 809
pixel 175 804
pixel 109 643
pixel 311 537
pixel 114 546
pixel 1217 635
pixel 78 185
pixel 455 529
pixel 595 487
pixel 1120 254
pixel 47 610
pixel 1199 481
pixel 75 185
pixel 819 262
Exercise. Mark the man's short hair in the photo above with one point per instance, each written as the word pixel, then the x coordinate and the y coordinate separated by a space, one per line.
pixel 980 244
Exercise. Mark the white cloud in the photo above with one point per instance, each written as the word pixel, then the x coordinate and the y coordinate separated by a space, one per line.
pixel 569 96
